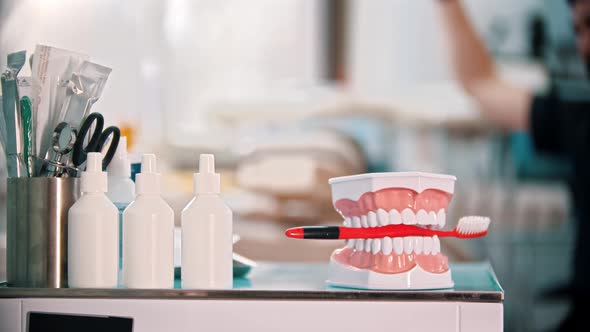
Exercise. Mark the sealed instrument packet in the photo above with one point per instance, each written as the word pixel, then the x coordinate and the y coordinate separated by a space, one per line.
pixel 51 68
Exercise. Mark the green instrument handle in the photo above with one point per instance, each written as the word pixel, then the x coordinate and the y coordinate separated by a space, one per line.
pixel 27 123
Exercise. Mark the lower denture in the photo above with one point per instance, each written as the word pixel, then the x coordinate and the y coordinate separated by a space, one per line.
pixel 342 255
pixel 438 263
pixel 392 263
pixel 360 259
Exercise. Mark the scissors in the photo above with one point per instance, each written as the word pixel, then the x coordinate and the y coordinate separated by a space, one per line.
pixel 97 140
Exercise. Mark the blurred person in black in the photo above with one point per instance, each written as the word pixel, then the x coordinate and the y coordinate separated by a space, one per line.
pixel 556 125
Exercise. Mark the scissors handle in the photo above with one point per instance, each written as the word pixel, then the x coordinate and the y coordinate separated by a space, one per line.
pixel 97 140
pixel 115 133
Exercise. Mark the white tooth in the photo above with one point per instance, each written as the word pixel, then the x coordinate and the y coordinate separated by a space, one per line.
pixel 432 218
pixel 359 245
pixel 427 245
pixel 441 217
pixel 422 217
pixel 395 217
pixel 418 244
pixel 347 222
pixel 364 222
pixel 408 217
pixel 398 245
pixel 372 219
pixel 383 217
pixel 356 222
pixel 376 246
pixel 386 245
pixel 435 245
pixel 408 244
pixel 350 243
pixel 368 244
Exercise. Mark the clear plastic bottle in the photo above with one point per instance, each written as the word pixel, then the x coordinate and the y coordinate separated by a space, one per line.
pixel 93 235
pixel 206 224
pixel 148 233
pixel 121 189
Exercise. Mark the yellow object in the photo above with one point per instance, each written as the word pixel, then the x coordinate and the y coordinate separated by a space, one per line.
pixel 128 131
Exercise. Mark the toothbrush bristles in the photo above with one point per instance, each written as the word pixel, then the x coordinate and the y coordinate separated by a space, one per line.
pixel 473 225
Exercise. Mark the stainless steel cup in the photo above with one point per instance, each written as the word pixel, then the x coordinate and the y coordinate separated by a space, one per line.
pixel 37 230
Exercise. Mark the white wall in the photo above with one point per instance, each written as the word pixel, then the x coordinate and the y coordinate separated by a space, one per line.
pixel 235 51
pixel 122 35
pixel 172 59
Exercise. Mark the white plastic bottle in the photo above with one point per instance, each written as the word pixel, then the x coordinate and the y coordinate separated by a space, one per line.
pixel 207 233
pixel 121 189
pixel 93 235
pixel 148 233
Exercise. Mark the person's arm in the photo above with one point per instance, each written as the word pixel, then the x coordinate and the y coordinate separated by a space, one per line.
pixel 505 104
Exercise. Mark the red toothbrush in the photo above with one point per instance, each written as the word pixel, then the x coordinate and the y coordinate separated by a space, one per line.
pixel 467 228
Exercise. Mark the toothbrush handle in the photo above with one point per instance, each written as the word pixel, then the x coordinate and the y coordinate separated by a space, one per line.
pixel 340 232
pixel 314 232
pixel 401 231
pixel 391 231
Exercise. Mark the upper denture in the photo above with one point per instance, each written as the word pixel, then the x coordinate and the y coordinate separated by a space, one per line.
pixel 399 199
pixel 391 198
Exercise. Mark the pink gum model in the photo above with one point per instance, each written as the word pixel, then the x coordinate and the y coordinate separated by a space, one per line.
pixel 380 199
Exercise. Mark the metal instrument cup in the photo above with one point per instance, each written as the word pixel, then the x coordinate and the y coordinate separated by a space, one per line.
pixel 37 230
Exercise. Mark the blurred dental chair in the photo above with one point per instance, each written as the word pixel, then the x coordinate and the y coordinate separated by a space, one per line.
pixel 286 172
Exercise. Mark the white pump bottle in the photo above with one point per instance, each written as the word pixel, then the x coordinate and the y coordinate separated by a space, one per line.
pixel 148 233
pixel 93 234
pixel 207 260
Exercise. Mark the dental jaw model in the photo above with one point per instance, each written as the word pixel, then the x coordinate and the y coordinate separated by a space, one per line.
pixel 373 200
pixel 392 223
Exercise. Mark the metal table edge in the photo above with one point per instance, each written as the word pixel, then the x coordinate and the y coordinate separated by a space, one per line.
pixel 195 294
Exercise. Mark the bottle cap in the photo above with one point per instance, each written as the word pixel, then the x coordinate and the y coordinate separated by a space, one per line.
pixel 93 179
pixel 120 165
pixel 206 181
pixel 148 180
